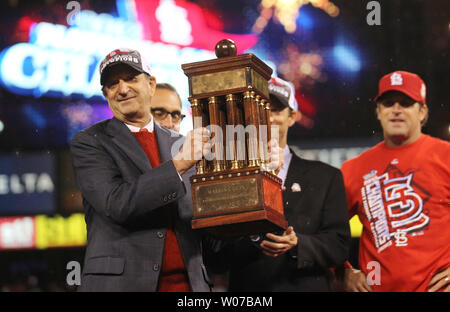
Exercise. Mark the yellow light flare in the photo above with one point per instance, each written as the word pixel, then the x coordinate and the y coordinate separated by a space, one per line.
pixel 306 68
pixel 287 11
pixel 356 226
pixel 268 3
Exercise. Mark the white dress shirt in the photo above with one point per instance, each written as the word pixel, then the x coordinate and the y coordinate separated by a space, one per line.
pixel 287 156
pixel 150 126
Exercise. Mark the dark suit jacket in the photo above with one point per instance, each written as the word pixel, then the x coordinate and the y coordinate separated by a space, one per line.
pixel 126 204
pixel 318 213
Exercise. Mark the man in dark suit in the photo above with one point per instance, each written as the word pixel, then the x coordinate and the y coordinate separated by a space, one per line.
pixel 136 191
pixel 315 207
pixel 166 107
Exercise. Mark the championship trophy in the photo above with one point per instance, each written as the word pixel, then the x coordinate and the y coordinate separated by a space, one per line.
pixel 233 192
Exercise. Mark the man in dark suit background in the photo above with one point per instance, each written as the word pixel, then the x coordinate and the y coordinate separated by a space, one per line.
pixel 166 106
pixel 315 207
pixel 135 193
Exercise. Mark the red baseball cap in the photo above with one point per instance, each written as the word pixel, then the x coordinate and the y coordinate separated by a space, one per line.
pixel 408 83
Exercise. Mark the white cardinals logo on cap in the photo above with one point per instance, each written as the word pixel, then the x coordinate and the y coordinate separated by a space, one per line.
pixel 396 79
pixel 423 91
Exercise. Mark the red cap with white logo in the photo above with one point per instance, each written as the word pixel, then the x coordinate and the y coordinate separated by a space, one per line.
pixel 408 83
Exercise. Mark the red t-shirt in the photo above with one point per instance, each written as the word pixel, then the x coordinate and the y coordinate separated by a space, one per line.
pixel 402 198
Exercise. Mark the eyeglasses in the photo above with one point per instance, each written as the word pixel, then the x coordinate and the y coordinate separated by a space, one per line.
pixel 161 113
pixel 403 101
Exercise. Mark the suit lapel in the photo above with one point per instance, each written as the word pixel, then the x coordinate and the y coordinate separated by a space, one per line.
pixel 165 139
pixel 125 140
pixel 295 184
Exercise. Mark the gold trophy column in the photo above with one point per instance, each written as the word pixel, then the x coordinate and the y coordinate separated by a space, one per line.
pixel 263 134
pixel 214 119
pixel 232 121
pixel 198 123
pixel 251 115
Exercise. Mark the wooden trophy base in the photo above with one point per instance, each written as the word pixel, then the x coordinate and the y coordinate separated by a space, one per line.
pixel 237 202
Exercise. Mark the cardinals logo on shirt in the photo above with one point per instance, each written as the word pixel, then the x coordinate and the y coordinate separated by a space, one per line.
pixel 394 208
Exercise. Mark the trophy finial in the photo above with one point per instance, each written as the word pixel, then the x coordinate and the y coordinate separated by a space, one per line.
pixel 225 47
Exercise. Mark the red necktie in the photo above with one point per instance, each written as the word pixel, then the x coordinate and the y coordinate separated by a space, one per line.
pixel 149 144
pixel 173 275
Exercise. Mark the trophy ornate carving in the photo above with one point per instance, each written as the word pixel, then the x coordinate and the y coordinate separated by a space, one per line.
pixel 233 192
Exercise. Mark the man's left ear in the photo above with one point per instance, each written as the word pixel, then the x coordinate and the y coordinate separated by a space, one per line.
pixel 424 111
pixel 152 82
pixel 295 116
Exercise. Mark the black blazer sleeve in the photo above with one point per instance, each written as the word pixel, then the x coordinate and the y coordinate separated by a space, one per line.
pixel 328 246
pixel 107 180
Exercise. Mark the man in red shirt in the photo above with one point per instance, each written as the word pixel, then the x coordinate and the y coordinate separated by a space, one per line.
pixel 400 189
